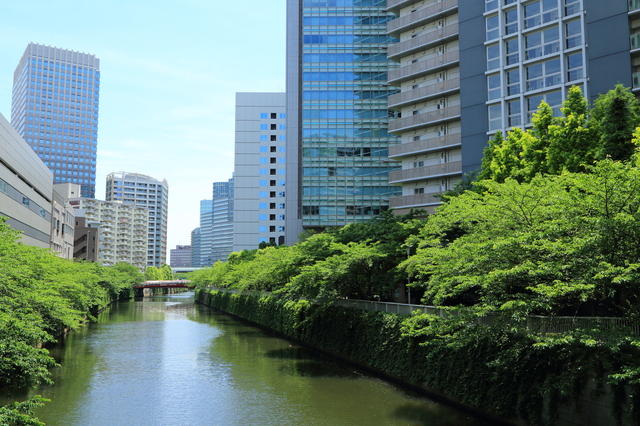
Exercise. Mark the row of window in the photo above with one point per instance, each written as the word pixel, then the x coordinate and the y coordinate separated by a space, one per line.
pixel 264 216
pixel 348 39
pixel 332 191
pixel 8 189
pixel 345 152
pixel 348 132
pixel 345 20
pixel 513 113
pixel 314 114
pixel 344 57
pixel 271 206
pixel 344 76
pixel 342 211
pixel 344 95
pixel 346 171
pixel 272 115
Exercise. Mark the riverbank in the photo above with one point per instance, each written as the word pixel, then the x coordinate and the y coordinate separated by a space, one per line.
pixel 540 389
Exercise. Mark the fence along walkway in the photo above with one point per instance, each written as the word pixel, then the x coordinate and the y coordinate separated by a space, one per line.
pixel 534 323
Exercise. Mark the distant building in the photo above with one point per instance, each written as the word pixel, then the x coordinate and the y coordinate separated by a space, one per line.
pixel 206 233
pixel 123 230
pixel 86 240
pixel 145 191
pixel 260 158
pixel 55 109
pixel 180 257
pixel 63 219
pixel 195 248
pixel 222 239
pixel 26 188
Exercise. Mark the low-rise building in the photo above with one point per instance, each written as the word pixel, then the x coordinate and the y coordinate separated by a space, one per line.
pixel 180 257
pixel 86 240
pixel 63 219
pixel 123 230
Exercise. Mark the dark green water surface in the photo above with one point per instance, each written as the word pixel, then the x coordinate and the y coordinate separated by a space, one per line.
pixel 166 361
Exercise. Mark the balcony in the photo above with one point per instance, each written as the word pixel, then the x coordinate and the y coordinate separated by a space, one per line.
pixel 422 16
pixel 399 4
pixel 634 40
pixel 422 146
pixel 426 172
pixel 423 41
pixel 415 201
pixel 426 66
pixel 424 93
pixel 634 5
pixel 425 119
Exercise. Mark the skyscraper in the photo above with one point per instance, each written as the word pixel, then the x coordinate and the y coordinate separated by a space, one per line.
pixel 222 233
pixel 145 191
pixel 337 117
pixel 206 233
pixel 55 109
pixel 195 248
pixel 259 181
pixel 469 69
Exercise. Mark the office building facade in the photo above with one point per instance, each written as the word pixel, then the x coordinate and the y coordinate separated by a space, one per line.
pixel 123 229
pixel 337 117
pixel 195 248
pixel 153 194
pixel 259 199
pixel 206 233
pixel 470 68
pixel 180 257
pixel 55 109
pixel 26 188
pixel 222 230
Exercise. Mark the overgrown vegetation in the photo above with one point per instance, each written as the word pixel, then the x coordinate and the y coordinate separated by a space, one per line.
pixel 550 227
pixel 163 273
pixel 41 297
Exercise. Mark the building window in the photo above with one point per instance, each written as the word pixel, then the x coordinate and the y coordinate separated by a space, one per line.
pixel 539 12
pixel 493 86
pixel 513 82
pixel 495 117
pixel 571 7
pixel 514 112
pixel 512 53
pixel 554 99
pixel 573 30
pixel 542 43
pixel 511 21
pixel 493 57
pixel 543 74
pixel 493 27
pixel 417 191
pixel 575 69
pixel 274 115
pixel 490 5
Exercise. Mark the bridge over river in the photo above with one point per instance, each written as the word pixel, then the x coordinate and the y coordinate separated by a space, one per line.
pixel 146 288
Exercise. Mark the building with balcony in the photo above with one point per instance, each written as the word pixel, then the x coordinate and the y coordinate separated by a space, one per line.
pixel 86 240
pixel 26 188
pixel 153 194
pixel 471 68
pixel 123 231
pixel 259 198
pixel 337 118
pixel 63 219
pixel 55 109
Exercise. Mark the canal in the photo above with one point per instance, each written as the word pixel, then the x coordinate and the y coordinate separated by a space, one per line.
pixel 167 361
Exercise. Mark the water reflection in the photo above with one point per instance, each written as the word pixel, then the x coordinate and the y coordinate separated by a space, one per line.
pixel 166 361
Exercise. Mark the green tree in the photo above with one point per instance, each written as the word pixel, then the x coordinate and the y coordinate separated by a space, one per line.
pixel 616 115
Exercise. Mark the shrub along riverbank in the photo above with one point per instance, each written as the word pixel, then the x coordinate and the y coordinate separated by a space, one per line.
pixel 41 298
pixel 550 227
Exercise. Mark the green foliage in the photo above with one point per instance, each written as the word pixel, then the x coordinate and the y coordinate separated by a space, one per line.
pixel 41 297
pixel 616 115
pixel 163 273
pixel 21 413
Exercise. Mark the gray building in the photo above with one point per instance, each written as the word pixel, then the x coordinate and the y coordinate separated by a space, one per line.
pixel 180 257
pixel 195 248
pixel 63 219
pixel 337 118
pixel 26 188
pixel 222 231
pixel 86 240
pixel 470 68
pixel 153 194
pixel 55 109
pixel 206 233
pixel 260 159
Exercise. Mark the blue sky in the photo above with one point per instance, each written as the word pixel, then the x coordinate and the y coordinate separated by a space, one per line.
pixel 170 70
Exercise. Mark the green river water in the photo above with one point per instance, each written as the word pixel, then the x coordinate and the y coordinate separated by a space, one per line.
pixel 167 361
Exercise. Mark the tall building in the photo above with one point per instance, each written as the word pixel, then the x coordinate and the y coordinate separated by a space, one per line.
pixel 55 109
pixel 222 232
pixel 123 230
pixel 469 69
pixel 195 248
pixel 145 191
pixel 26 188
pixel 180 257
pixel 206 233
pixel 259 196
pixel 337 118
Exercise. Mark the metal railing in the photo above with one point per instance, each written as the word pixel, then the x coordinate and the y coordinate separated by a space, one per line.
pixel 425 66
pixel 425 145
pixel 420 173
pixel 533 323
pixel 415 201
pixel 421 94
pixel 422 15
pixel 424 119
pixel 422 41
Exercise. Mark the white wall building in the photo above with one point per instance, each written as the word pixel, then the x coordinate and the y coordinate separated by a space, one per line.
pixel 145 191
pixel 259 175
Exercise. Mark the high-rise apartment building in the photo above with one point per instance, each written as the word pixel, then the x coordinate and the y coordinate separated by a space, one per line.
pixel 205 247
pixel 222 232
pixel 337 117
pixel 55 109
pixel 471 68
pixel 260 160
pixel 195 248
pixel 180 257
pixel 123 230
pixel 145 191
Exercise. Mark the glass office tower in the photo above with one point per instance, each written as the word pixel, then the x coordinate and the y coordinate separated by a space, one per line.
pixel 337 111
pixel 55 109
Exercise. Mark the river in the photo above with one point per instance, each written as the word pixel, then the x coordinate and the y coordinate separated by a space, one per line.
pixel 167 361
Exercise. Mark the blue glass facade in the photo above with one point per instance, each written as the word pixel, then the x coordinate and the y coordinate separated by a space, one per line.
pixel 55 109
pixel 344 118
